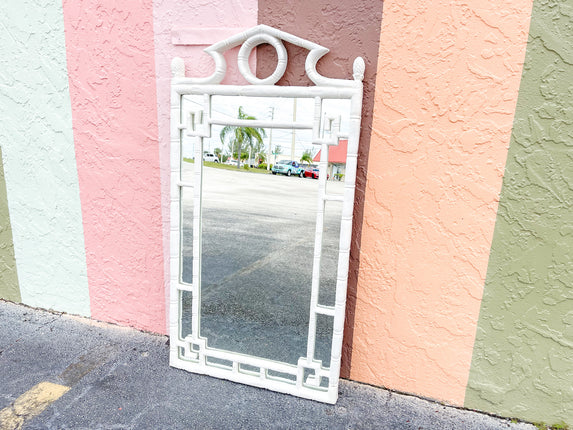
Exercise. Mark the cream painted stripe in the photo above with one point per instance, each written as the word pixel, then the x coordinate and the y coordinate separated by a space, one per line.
pixel 31 404
pixel 39 158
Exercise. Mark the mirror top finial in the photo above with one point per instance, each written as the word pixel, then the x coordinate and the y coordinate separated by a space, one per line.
pixel 358 69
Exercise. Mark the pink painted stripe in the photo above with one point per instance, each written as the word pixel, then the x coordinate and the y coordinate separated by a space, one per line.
pixel 193 36
pixel 110 52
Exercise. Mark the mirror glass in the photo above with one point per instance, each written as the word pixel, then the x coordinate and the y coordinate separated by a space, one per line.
pixel 186 171
pixel 258 226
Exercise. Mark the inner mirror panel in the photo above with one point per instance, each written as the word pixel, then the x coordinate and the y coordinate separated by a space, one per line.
pixel 255 275
pixel 258 234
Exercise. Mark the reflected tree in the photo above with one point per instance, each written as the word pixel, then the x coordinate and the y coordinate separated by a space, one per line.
pixel 306 157
pixel 241 138
pixel 262 157
pixel 277 151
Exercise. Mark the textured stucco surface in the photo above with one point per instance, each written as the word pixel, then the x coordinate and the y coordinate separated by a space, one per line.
pixel 9 288
pixel 447 77
pixel 523 358
pixel 39 159
pixel 112 85
pixel 447 83
pixel 349 28
pixel 210 22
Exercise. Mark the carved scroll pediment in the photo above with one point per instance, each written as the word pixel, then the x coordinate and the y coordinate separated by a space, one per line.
pixel 262 34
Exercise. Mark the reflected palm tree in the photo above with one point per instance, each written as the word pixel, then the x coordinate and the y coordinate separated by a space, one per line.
pixel 306 157
pixel 242 137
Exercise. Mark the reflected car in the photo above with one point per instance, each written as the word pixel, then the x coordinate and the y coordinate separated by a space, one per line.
pixel 208 156
pixel 313 172
pixel 231 162
pixel 287 167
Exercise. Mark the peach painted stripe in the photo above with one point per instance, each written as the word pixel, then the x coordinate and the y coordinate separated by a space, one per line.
pixel 111 67
pixel 447 84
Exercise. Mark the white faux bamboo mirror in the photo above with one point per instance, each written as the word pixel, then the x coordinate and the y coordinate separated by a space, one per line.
pixel 259 261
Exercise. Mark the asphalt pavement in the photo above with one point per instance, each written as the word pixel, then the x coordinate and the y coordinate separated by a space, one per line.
pixel 258 238
pixel 64 372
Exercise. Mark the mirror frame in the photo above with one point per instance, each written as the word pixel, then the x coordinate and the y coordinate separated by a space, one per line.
pixel 191 352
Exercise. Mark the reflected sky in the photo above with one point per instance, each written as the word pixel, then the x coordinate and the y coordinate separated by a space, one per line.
pixel 280 109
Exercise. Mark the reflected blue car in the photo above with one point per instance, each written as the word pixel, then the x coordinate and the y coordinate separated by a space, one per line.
pixel 287 167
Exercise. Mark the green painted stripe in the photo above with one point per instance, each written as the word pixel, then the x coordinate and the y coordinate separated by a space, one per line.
pixel 523 356
pixel 9 288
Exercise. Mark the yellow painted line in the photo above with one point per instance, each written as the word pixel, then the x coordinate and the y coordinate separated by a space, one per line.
pixel 30 404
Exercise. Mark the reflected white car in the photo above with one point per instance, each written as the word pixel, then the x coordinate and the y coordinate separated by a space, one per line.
pixel 208 156
pixel 233 162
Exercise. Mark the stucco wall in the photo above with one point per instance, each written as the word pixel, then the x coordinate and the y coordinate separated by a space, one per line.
pixel 523 357
pixel 39 159
pixel 101 255
pixel 9 287
pixel 111 70
pixel 84 216
pixel 447 84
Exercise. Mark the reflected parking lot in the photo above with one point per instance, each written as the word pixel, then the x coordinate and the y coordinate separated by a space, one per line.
pixel 257 249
